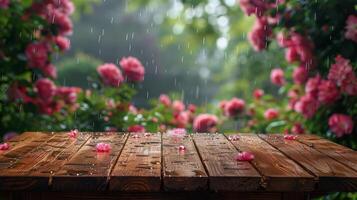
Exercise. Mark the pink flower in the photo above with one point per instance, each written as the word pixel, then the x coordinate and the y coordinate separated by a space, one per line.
pixel 50 71
pixel 103 147
pixel 136 129
pixel 178 106
pixel 205 123
pixel 340 124
pixel 37 54
pixel 258 93
pixel 300 75
pixel 192 108
pixel 328 92
pixel 177 132
pixel 73 133
pixel 65 6
pixel 63 22
pixel 297 129
pixel 290 137
pixel 259 34
pixel 4 146
pixel 312 86
pixel 165 100
pixel 46 89
pixel 277 76
pixel 271 114
pixel 351 28
pixel 234 107
pixel 110 74
pixel 222 104
pixel 68 94
pixel 4 4
pixel 257 7
pixel 291 54
pixel 307 106
pixel 63 43
pixel 181 119
pixel 342 74
pixel 282 40
pixel 299 48
pixel 132 68
pixel 244 156
pixel 181 148
pixel 133 109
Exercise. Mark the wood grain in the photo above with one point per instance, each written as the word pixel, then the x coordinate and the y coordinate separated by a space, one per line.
pixel 217 154
pixel 279 172
pixel 88 169
pixel 139 166
pixel 332 175
pixel 182 169
pixel 338 152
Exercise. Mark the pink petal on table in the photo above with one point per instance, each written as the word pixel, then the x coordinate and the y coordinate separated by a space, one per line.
pixel 244 156
pixel 290 137
pixel 135 136
pixel 103 147
pixel 181 148
pixel 147 134
pixel 4 146
pixel 233 137
pixel 73 133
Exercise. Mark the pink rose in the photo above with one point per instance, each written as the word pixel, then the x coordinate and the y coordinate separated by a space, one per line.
pixel 277 77
pixel 136 129
pixel 282 40
pixel 300 75
pixel 311 87
pixel 192 108
pixel 132 68
pixel 234 107
pixel 63 43
pixel 178 106
pixel 49 108
pixel 297 129
pixel 46 89
pixel 4 4
pixel 205 123
pixel 307 106
pixel 63 22
pixel 165 100
pixel 103 147
pixel 222 104
pixel 110 74
pixel 259 34
pixel 64 6
pixel 340 124
pixel 258 93
pixel 257 7
pixel 181 119
pixel 50 71
pixel 328 92
pixel 73 133
pixel 37 54
pixel 299 48
pixel 351 28
pixel 4 146
pixel 291 54
pixel 244 156
pixel 68 94
pixel 271 114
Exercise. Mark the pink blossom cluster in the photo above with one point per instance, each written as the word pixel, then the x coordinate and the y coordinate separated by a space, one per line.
pixel 205 123
pixel 351 28
pixel 233 107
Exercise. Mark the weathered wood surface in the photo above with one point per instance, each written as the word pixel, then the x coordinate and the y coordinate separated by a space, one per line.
pixel 153 164
pixel 279 172
pixel 332 175
pixel 225 173
pixel 182 169
pixel 139 166
pixel 88 169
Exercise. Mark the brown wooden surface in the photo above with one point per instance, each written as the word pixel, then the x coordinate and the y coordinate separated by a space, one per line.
pixel 139 166
pixel 338 152
pixel 217 154
pixel 88 169
pixel 332 175
pixel 182 169
pixel 279 172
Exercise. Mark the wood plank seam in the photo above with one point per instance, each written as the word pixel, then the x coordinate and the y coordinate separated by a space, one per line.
pixel 162 162
pixel 316 177
pixel 199 155
pixel 317 149
pixel 116 160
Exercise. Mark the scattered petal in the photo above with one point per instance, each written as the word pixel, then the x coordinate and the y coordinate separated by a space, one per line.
pixel 233 138
pixel 73 133
pixel 244 156
pixel 4 146
pixel 177 132
pixel 182 148
pixel 147 134
pixel 103 147
pixel 290 137
pixel 135 136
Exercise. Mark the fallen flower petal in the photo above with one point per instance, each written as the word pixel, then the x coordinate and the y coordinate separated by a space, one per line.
pixel 73 133
pixel 182 148
pixel 103 147
pixel 244 156
pixel 4 146
pixel 290 137
pixel 233 137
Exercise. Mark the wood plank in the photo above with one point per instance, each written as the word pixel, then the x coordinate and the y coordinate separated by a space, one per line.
pixel 332 175
pixel 88 169
pixel 182 170
pixel 225 174
pixel 338 152
pixel 279 172
pixel 139 165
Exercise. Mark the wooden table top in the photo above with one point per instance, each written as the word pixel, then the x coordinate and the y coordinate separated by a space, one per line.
pixel 153 162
